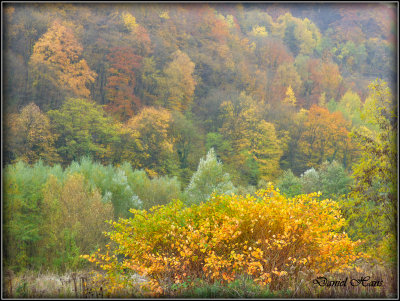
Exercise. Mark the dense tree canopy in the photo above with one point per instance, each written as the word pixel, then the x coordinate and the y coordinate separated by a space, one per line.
pixel 113 107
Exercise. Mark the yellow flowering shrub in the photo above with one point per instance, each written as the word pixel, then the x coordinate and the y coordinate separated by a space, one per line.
pixel 267 237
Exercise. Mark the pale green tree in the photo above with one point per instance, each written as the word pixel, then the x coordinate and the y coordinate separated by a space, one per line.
pixel 210 177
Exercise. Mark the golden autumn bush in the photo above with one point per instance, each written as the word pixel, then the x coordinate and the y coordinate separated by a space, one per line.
pixel 267 237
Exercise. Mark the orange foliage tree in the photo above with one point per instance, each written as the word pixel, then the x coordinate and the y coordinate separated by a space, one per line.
pixel 56 58
pixel 121 83
pixel 326 78
pixel 326 136
pixel 274 53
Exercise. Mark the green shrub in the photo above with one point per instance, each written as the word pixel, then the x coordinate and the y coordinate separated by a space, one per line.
pixel 289 184
pixel 151 192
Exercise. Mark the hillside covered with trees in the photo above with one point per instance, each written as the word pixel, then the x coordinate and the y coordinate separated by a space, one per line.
pixel 205 111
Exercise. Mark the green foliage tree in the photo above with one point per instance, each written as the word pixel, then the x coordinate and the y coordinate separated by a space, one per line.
pixel 255 147
pixel 330 179
pixel 52 215
pixel 209 177
pixel 188 144
pixel 73 221
pixel 334 180
pixel 377 165
pixel 290 39
pixel 350 106
pixel 83 129
pixel 310 180
pixel 23 214
pixel 112 183
pixel 125 187
pixel 301 36
pixel 374 192
pixel 157 191
pixel 289 184
pixel 152 192
pixel 218 143
pixel 208 108
pixel 376 49
pixel 290 126
pixel 148 80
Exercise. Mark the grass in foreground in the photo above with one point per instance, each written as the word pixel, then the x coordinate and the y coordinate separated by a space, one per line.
pixel 83 285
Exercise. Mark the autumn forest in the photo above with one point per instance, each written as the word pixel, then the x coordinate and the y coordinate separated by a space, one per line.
pixel 199 150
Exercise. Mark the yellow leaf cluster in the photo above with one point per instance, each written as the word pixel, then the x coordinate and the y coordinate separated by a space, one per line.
pixel 129 21
pixel 267 237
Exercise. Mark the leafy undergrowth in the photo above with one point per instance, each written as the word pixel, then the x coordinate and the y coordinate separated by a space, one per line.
pixel 267 238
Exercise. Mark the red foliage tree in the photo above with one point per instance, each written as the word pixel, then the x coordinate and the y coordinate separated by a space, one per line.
pixel 121 83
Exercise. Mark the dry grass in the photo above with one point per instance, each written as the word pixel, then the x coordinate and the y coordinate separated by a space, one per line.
pixel 49 285
pixel 38 285
pixel 80 285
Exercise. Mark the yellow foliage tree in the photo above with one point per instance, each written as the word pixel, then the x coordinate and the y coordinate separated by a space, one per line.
pixel 29 136
pixel 286 75
pixel 129 21
pixel 178 85
pixel 290 97
pixel 267 237
pixel 259 31
pixel 266 150
pixel 251 137
pixel 304 34
pixel 165 15
pixel 322 100
pixel 151 128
